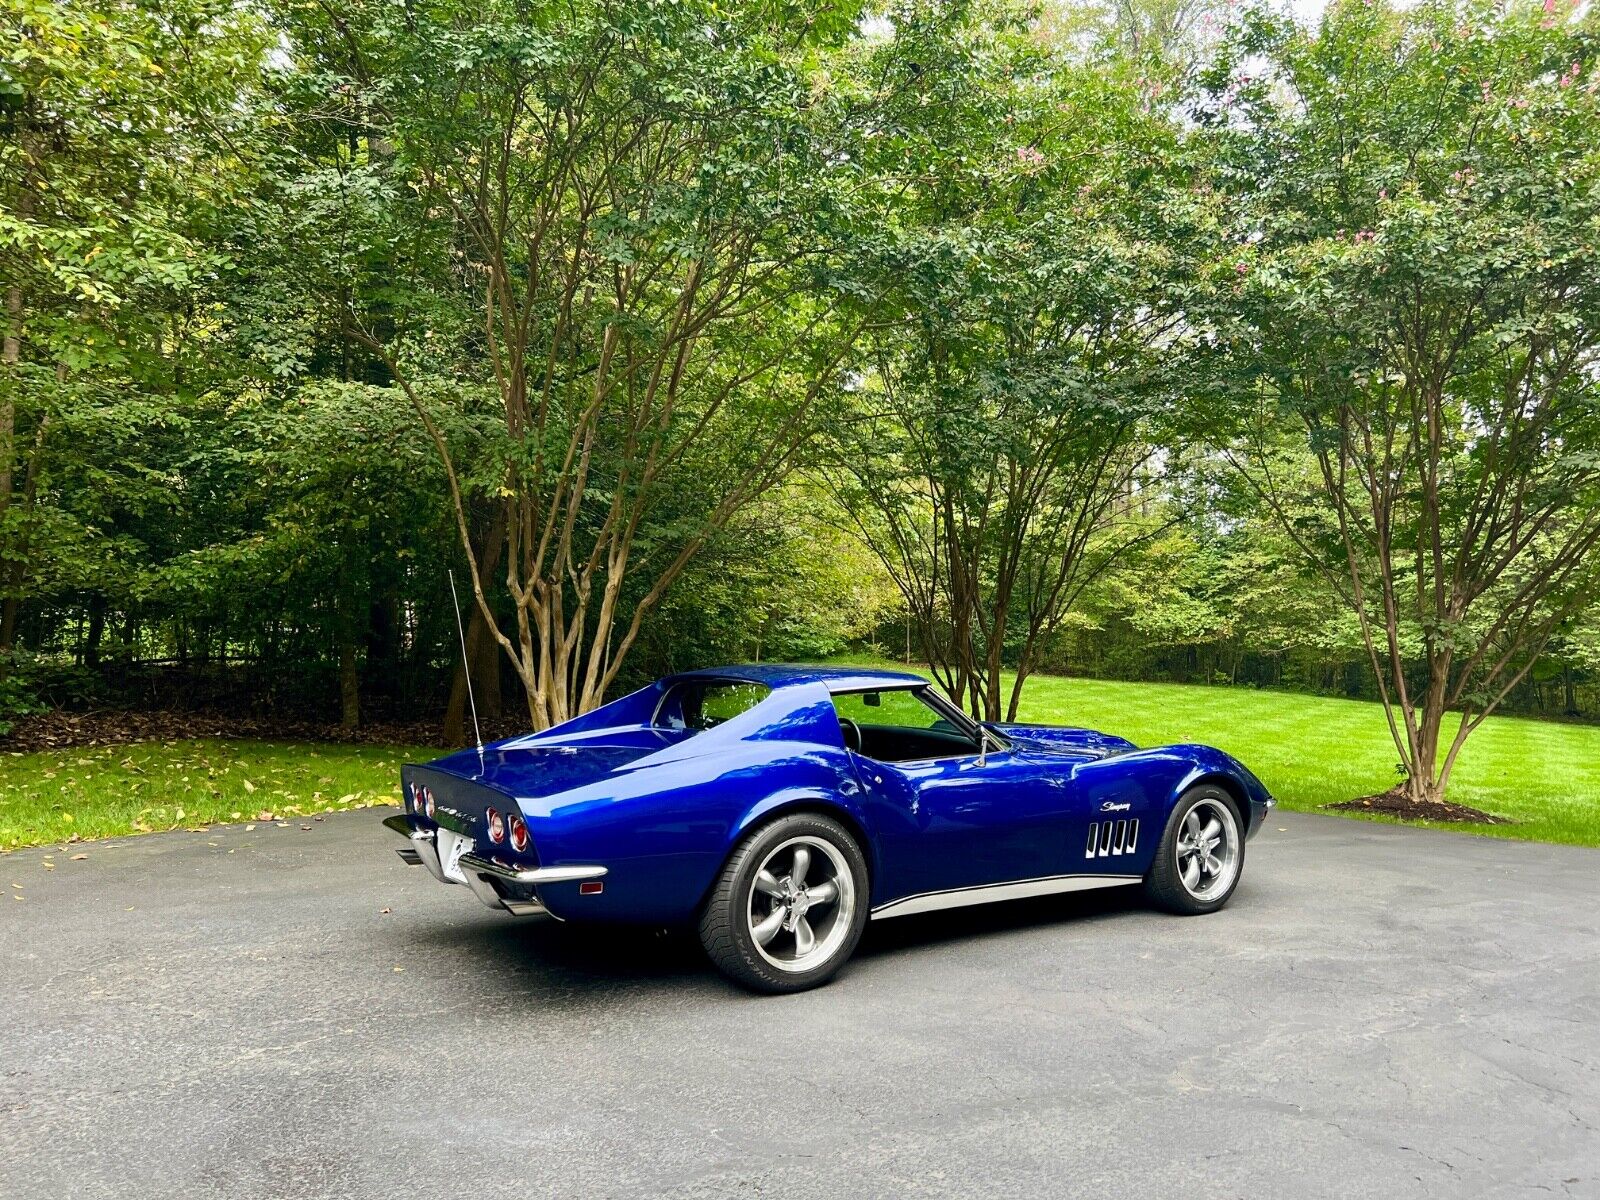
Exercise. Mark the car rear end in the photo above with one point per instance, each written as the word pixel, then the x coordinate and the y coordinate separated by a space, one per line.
pixel 470 832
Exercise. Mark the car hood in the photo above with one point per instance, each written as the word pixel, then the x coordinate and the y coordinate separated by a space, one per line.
pixel 1057 739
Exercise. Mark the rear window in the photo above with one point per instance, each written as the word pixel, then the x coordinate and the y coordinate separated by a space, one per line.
pixel 705 704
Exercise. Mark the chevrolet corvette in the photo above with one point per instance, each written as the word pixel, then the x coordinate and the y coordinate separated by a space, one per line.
pixel 776 809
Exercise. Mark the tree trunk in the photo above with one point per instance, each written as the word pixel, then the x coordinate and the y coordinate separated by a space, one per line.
pixel 1023 669
pixel 382 640
pixel 486 676
pixel 1569 691
pixel 1425 782
pixel 10 355
pixel 484 656
pixel 97 629
pixel 16 571
pixel 1423 759
pixel 349 683
pixel 10 609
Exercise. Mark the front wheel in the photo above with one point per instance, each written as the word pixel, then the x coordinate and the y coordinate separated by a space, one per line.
pixel 1201 854
pixel 789 906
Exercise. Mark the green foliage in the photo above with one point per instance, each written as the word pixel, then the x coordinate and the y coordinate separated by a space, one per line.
pixel 123 135
pixel 1042 241
pixel 616 218
pixel 1416 281
pixel 19 690
pixel 1123 338
pixel 785 582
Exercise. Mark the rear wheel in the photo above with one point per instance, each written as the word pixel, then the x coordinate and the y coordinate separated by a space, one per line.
pixel 789 906
pixel 1201 855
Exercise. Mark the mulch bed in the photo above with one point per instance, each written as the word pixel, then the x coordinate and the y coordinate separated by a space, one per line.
pixel 1395 803
pixel 62 730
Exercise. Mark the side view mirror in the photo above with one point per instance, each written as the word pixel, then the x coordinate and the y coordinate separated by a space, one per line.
pixel 985 740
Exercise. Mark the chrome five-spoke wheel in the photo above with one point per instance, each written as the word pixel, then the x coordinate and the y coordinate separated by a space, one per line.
pixel 1201 855
pixel 802 904
pixel 1208 849
pixel 789 906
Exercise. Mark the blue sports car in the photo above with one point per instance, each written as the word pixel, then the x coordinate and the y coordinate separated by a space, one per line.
pixel 777 808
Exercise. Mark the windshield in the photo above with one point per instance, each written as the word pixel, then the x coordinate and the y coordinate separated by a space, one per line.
pixel 705 703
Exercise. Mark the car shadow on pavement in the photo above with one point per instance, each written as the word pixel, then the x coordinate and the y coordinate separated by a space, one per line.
pixel 555 955
pixel 984 920
pixel 571 960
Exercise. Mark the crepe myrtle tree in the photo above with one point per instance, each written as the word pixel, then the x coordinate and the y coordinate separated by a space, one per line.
pixel 1004 419
pixel 1418 273
pixel 638 211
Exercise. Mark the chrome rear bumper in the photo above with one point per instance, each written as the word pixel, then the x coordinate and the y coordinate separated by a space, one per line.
pixel 479 873
pixel 420 846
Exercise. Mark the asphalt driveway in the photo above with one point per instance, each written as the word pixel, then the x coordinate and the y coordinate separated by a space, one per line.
pixel 295 1013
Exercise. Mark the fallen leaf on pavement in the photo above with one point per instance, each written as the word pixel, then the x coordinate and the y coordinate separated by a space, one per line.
pixel 264 816
pixel 384 910
pixel 79 857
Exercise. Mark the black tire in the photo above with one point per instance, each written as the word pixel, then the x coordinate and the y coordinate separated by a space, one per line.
pixel 725 921
pixel 1164 883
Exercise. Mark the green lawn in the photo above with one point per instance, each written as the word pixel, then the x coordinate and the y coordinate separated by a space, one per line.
pixel 1314 750
pixel 1309 750
pixel 112 790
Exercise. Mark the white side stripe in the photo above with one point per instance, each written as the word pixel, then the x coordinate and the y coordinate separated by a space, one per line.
pixel 987 893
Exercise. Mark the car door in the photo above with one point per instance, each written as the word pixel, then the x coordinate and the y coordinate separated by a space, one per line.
pixel 959 818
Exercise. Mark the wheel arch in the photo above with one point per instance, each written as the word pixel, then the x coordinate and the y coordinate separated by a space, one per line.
pixel 1233 787
pixel 772 808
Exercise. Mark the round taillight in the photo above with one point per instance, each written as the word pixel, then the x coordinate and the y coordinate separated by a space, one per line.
pixel 427 802
pixel 497 826
pixel 519 834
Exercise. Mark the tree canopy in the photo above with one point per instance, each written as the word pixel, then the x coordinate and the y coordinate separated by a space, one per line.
pixel 1143 339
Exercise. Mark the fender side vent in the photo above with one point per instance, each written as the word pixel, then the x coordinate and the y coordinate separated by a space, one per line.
pixel 1107 838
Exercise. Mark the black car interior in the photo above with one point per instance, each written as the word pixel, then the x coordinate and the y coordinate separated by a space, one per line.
pixel 920 733
pixel 891 743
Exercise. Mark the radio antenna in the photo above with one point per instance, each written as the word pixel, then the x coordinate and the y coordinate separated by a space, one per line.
pixel 466 666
